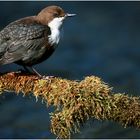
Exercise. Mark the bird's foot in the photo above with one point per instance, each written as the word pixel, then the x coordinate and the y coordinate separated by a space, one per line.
pixel 47 77
pixel 44 77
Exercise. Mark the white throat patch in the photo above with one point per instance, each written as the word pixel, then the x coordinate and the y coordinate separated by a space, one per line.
pixel 55 26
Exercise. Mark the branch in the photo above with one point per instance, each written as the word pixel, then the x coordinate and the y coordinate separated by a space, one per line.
pixel 75 101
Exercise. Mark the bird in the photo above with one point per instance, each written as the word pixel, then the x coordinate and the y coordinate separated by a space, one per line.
pixel 31 40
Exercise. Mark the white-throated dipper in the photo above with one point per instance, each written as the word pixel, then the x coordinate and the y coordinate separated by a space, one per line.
pixel 31 40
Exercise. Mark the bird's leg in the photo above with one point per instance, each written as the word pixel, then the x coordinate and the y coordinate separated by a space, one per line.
pixel 43 77
pixel 33 69
pixel 25 70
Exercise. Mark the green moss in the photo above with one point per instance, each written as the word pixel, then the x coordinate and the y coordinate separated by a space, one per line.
pixel 76 102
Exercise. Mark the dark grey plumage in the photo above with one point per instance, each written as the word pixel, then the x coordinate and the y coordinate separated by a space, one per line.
pixel 24 43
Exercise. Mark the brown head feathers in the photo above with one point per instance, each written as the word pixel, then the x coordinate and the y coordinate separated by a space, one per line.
pixel 48 13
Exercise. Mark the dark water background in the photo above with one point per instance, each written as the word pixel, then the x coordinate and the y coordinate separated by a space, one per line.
pixel 102 40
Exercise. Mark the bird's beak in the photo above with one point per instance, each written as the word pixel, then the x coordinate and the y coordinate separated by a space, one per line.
pixel 70 15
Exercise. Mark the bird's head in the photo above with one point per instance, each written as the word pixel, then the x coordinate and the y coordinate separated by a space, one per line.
pixel 53 16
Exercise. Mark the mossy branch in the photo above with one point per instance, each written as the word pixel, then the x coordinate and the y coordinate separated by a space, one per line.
pixel 75 101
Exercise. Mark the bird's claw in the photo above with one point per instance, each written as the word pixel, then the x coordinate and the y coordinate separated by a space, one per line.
pixel 47 77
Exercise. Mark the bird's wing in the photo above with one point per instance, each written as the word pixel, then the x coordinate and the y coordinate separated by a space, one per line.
pixel 17 39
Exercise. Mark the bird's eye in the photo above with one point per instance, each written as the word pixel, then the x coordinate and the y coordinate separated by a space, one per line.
pixel 55 15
